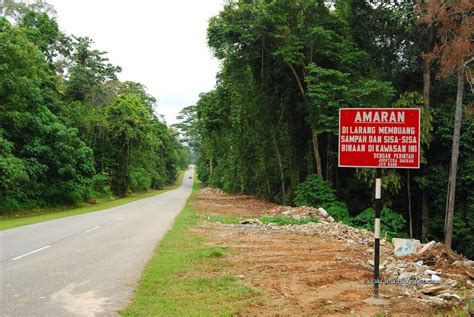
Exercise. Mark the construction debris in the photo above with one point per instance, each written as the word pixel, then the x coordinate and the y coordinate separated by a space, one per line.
pixel 431 273
pixel 377 301
pixel 251 222
pixel 426 247
pixel 433 290
pixel 403 247
pixel 426 270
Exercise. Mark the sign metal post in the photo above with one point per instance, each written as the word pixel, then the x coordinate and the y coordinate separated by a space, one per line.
pixel 378 206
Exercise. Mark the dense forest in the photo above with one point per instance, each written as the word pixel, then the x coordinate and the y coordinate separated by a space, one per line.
pixel 270 126
pixel 69 129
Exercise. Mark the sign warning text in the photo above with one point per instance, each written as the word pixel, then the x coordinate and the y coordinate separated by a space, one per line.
pixel 379 137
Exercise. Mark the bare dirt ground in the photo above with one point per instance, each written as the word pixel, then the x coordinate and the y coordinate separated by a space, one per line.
pixel 300 274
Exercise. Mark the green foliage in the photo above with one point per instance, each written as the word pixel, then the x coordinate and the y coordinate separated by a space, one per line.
pixel 373 93
pixel 315 192
pixel 435 180
pixel 101 183
pixel 392 223
pixel 43 31
pixel 328 91
pixel 13 171
pixel 88 71
pixel 287 68
pixel 283 220
pixel 339 212
pixel 51 164
pixel 391 180
pixel 69 129
pixel 415 100
pixel 139 180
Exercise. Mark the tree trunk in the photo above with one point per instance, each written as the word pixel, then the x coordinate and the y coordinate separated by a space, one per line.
pixel 269 188
pixel 428 46
pixel 328 149
pixel 317 157
pixel 210 166
pixel 426 83
pixel 280 164
pixel 262 61
pixel 424 199
pixel 330 161
pixel 425 226
pixel 448 230
pixel 298 81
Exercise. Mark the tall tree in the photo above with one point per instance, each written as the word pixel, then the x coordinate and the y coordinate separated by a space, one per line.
pixel 455 51
pixel 58 164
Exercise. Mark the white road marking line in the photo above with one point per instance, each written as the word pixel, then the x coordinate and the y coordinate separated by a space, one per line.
pixel 118 219
pixel 29 253
pixel 95 228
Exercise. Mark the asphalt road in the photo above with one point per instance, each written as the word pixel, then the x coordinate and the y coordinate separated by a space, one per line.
pixel 86 265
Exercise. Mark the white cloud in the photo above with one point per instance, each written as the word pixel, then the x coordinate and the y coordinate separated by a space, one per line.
pixel 161 44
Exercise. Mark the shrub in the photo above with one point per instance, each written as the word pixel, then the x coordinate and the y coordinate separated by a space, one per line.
pixel 315 192
pixel 139 180
pixel 101 183
pixel 340 212
pixel 157 180
pixel 392 223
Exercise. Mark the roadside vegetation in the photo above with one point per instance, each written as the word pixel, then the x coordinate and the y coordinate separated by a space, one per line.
pixel 186 277
pixel 13 220
pixel 270 126
pixel 70 131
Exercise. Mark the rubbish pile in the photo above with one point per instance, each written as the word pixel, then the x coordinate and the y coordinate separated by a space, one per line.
pixel 326 228
pixel 431 272
pixel 301 212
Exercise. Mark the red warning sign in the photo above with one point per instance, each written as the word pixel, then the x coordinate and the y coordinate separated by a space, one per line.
pixel 379 137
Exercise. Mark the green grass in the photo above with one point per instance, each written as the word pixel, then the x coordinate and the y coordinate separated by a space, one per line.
pixel 186 277
pixel 282 220
pixel 45 214
pixel 231 219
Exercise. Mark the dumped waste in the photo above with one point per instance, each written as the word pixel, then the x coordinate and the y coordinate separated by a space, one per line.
pixel 431 272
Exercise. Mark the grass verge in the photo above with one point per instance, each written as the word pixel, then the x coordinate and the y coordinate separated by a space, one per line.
pixel 45 214
pixel 186 277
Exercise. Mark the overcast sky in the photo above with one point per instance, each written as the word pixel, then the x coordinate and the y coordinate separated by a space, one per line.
pixel 161 43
